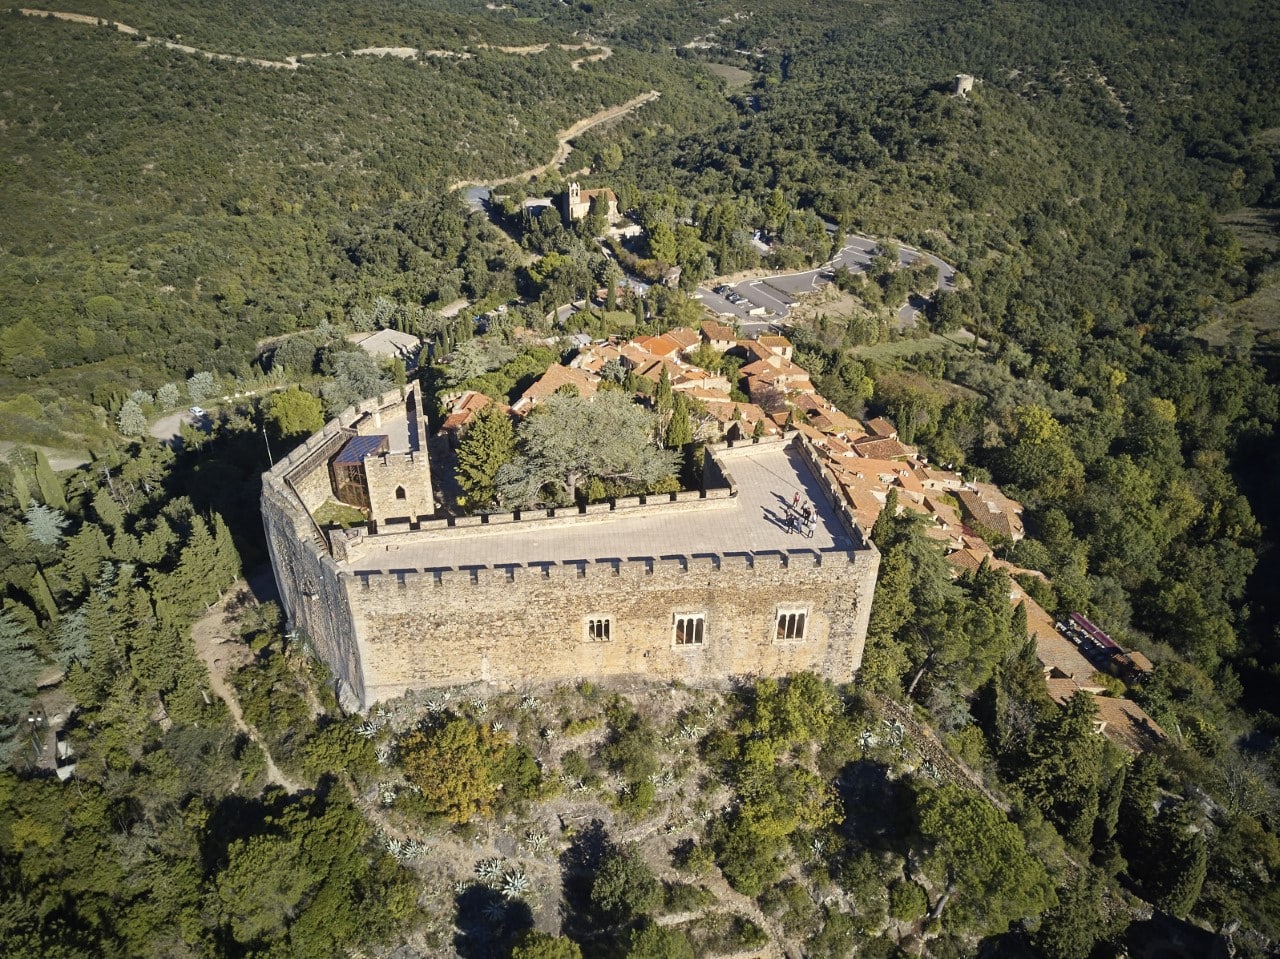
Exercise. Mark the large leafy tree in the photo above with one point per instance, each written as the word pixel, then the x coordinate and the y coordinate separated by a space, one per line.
pixel 294 412
pixel 980 858
pixel 1066 768
pixel 569 440
pixel 456 765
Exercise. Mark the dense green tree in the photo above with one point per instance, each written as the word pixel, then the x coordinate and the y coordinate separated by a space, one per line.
pixel 489 443
pixel 624 888
pixel 1075 926
pixel 1039 457
pixel 652 941
pixel 1065 769
pixel 455 764
pixel 679 432
pixel 980 858
pixel 23 665
pixel 293 413
pixel 541 945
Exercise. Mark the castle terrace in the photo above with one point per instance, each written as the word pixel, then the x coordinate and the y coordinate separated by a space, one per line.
pixel 766 478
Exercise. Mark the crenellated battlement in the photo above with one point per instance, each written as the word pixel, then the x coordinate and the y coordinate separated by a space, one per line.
pixel 605 568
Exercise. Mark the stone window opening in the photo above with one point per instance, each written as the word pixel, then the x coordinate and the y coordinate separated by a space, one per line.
pixel 689 629
pixel 400 493
pixel 599 629
pixel 791 624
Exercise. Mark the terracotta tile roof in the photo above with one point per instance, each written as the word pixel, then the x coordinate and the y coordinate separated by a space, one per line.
pixel 686 337
pixel 882 428
pixel 984 508
pixel 966 560
pixel 664 345
pixel 634 356
pixel 941 479
pixel 875 448
pixel 1061 690
pixel 810 403
pixel 776 344
pixel 755 352
pixel 1140 662
pixel 464 408
pixel 1057 654
pixel 1128 725
pixel 709 395
pixel 552 380
pixel 943 511
pixel 713 331
pixel 769 366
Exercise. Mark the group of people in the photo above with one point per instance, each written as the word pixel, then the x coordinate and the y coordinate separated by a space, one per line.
pixel 801 518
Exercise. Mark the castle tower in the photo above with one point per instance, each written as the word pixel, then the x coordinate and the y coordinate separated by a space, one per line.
pixel 964 83
pixel 399 479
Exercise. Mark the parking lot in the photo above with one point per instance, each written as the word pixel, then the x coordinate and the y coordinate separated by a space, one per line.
pixel 757 304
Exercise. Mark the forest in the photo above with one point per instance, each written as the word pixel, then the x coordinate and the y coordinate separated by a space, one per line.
pixel 179 231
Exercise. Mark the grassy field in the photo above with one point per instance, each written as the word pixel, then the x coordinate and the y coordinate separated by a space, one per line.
pixel 1251 323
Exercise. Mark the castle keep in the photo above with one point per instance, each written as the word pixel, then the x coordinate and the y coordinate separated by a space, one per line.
pixel 696 586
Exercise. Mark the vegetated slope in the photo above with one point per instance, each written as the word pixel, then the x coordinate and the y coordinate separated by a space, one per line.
pixel 162 212
pixel 281 30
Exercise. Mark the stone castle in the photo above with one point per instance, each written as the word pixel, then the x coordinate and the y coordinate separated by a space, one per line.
pixel 699 586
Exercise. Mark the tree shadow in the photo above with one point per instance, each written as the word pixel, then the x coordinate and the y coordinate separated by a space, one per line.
pixel 487 922
pixel 877 807
pixel 579 864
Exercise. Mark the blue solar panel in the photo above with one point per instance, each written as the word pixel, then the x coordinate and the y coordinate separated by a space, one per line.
pixel 358 447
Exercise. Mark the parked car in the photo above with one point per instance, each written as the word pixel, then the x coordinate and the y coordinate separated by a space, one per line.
pixel 197 412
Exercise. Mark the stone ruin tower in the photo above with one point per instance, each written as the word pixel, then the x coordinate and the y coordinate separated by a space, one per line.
pixel 964 83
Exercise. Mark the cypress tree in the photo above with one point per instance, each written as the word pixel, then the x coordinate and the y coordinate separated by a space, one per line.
pixel 50 486
pixel 21 489
pixel 679 428
pixel 663 402
pixel 489 443
pixel 226 556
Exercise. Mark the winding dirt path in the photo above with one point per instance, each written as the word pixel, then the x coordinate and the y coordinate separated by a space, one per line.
pixel 565 138
pixel 219 648
pixel 293 62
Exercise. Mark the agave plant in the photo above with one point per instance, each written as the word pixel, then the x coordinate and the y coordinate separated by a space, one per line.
pixel 489 870
pixel 494 910
pixel 536 841
pixel 383 755
pixel 530 703
pixel 369 729
pixel 515 884
pixel 395 847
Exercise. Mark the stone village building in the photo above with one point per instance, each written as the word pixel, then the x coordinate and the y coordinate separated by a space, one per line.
pixel 699 586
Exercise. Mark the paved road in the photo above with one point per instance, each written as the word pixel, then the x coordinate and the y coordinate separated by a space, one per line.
pixel 766 300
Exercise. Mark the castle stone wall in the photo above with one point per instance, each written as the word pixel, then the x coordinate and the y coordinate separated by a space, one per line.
pixel 312 591
pixel 513 628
